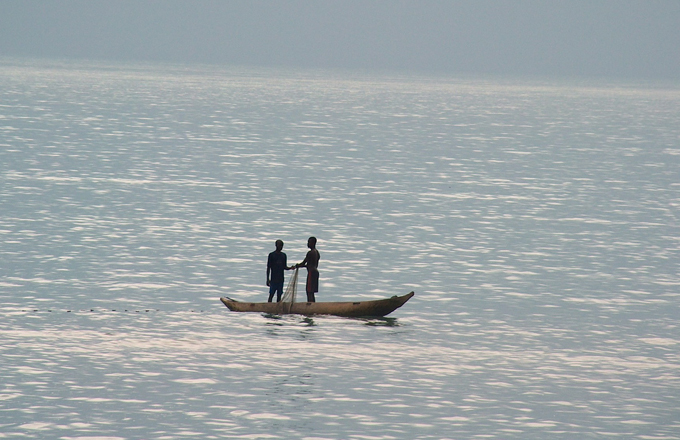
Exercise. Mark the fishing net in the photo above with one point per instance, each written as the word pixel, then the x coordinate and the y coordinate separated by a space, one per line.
pixel 291 291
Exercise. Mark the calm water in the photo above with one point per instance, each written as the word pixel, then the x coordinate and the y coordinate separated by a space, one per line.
pixel 537 223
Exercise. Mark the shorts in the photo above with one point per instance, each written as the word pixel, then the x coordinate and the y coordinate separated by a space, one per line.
pixel 313 281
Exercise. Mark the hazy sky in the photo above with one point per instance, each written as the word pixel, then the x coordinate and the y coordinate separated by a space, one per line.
pixel 611 38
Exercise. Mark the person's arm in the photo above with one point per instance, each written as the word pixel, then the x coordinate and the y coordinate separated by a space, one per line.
pixel 304 262
pixel 269 269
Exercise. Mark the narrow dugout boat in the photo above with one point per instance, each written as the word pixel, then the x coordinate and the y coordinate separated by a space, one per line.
pixel 350 309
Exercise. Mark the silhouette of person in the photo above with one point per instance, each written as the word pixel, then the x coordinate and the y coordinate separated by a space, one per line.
pixel 276 264
pixel 311 262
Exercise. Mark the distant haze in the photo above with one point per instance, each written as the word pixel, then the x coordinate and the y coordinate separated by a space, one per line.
pixel 573 38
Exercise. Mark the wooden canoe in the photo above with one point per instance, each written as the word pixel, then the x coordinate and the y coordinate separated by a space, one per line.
pixel 350 309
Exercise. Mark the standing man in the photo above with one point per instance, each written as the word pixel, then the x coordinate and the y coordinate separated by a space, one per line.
pixel 276 264
pixel 311 262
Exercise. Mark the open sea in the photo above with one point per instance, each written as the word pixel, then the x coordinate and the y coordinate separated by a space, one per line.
pixel 537 221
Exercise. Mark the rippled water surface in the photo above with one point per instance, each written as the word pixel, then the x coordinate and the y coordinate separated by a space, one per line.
pixel 536 222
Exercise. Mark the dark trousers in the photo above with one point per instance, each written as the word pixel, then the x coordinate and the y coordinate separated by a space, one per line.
pixel 310 297
pixel 275 288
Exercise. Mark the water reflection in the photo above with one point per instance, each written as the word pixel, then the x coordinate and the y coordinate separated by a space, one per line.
pixel 382 322
pixel 309 321
pixel 537 221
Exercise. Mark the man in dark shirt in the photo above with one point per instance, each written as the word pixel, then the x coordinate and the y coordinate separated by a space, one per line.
pixel 276 264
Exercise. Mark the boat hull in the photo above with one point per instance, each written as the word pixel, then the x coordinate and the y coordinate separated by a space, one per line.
pixel 350 309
